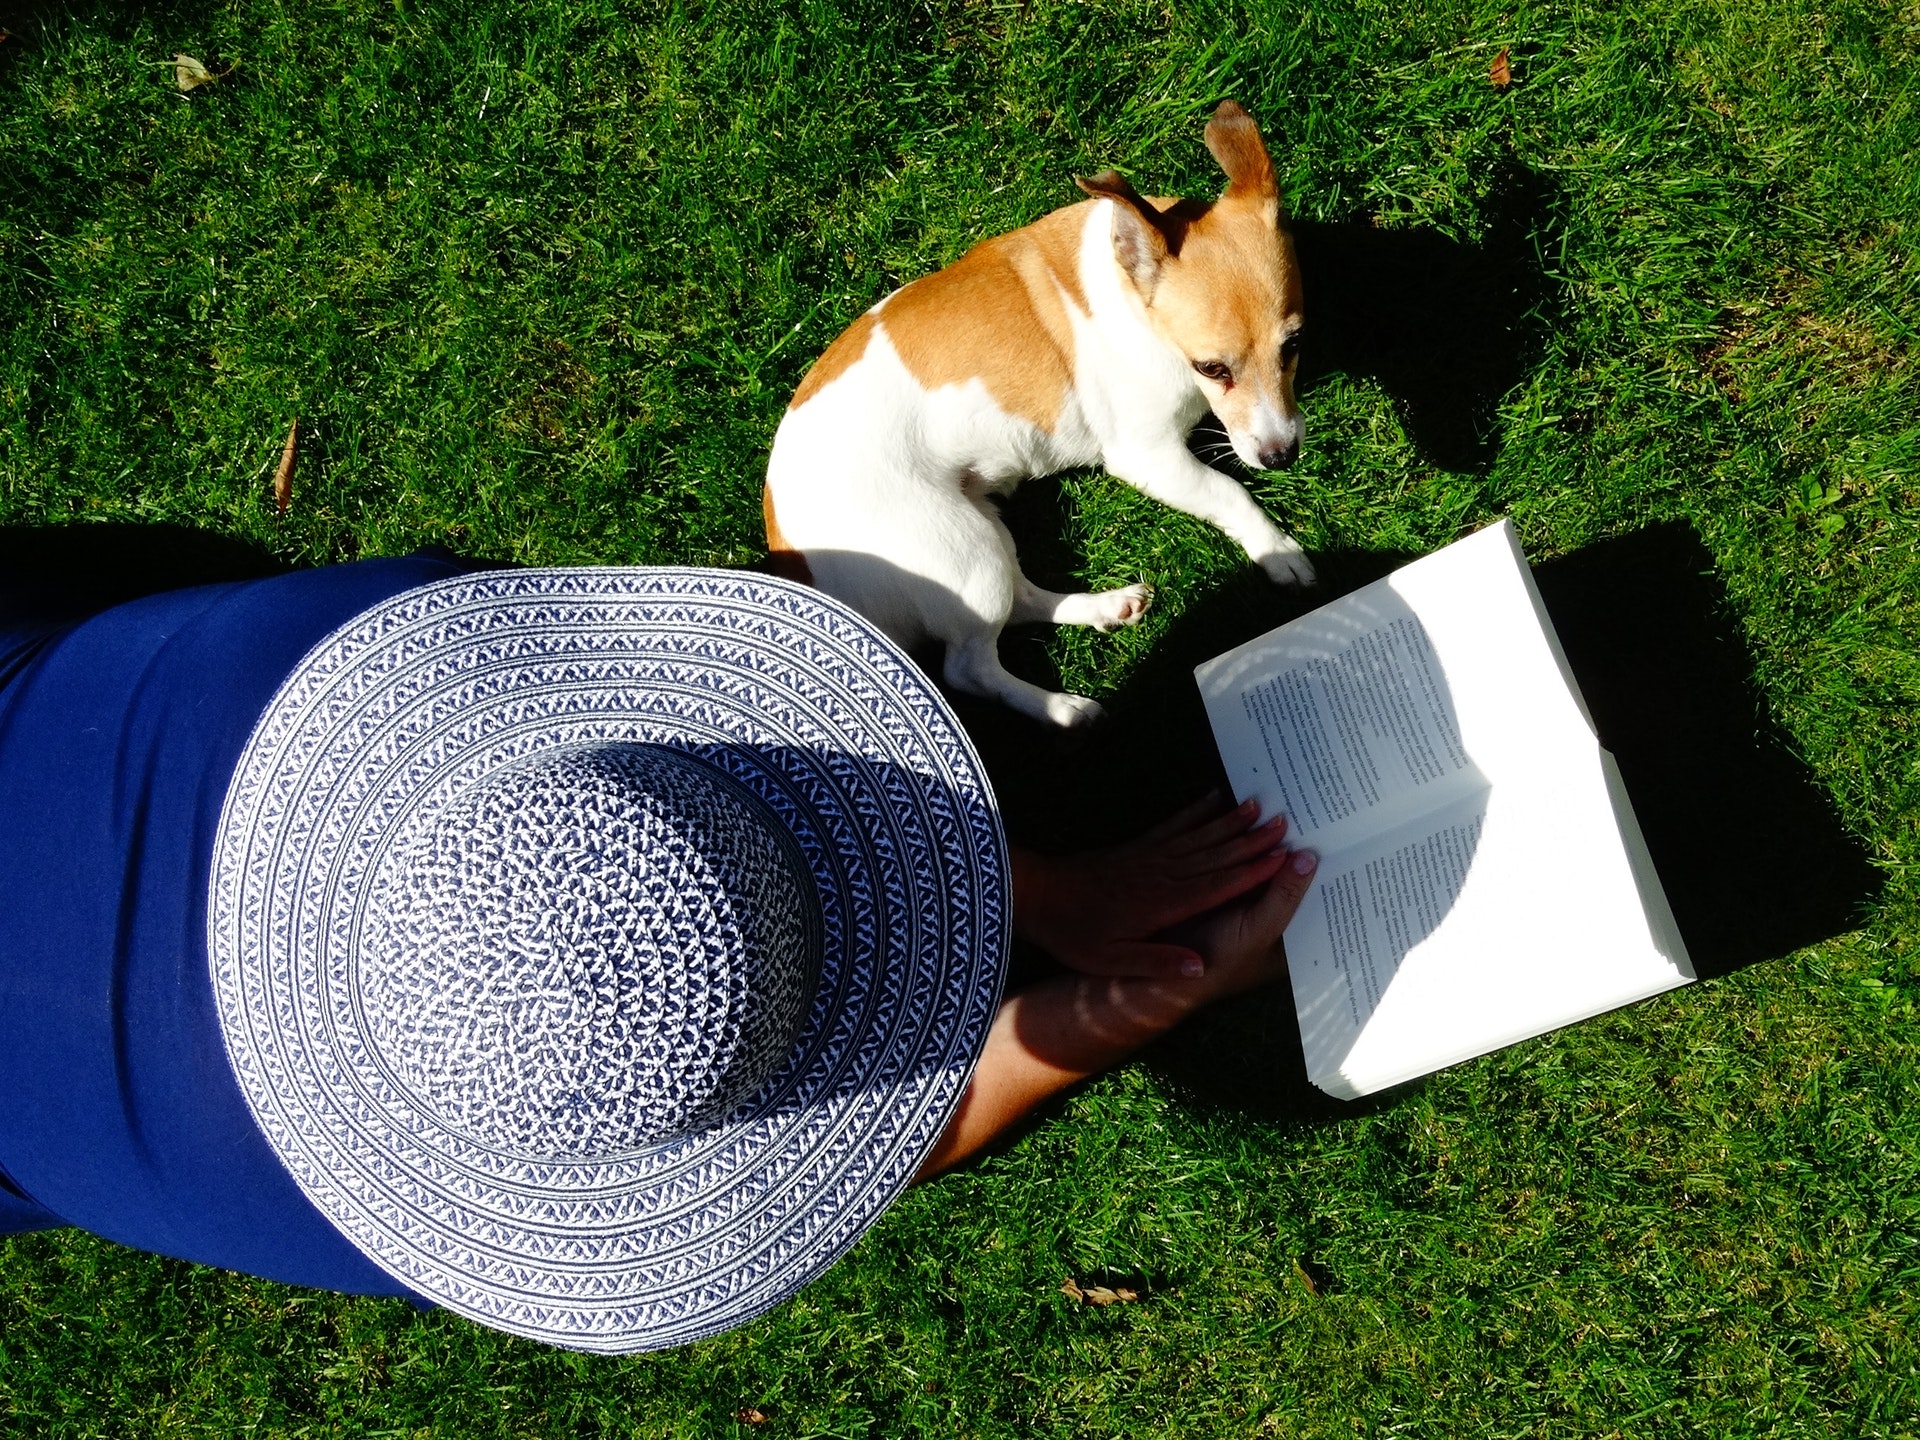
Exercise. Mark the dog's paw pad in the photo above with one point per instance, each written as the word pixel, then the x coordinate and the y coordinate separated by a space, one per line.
pixel 1125 606
pixel 1074 712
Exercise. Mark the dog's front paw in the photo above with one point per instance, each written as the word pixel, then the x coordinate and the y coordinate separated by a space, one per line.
pixel 1074 712
pixel 1124 606
pixel 1289 567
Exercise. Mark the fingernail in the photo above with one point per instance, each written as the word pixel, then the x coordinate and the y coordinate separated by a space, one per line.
pixel 1304 862
pixel 1193 969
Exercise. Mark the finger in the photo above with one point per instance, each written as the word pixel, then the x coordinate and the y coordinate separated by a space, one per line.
pixel 1217 887
pixel 1195 895
pixel 1142 959
pixel 1261 840
pixel 1185 818
pixel 1223 827
pixel 1275 909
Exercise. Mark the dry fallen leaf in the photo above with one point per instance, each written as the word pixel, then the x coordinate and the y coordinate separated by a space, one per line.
pixel 750 1416
pixel 283 477
pixel 1098 1294
pixel 1500 72
pixel 189 73
pixel 1305 1278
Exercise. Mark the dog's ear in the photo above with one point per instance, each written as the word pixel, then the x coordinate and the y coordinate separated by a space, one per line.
pixel 1143 238
pixel 1235 142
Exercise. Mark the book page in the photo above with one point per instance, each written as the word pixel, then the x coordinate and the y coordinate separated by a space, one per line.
pixel 1338 716
pixel 1401 696
pixel 1404 961
pixel 1366 913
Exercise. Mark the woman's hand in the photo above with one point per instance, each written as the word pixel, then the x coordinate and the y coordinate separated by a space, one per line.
pixel 1062 1030
pixel 1100 911
pixel 1241 942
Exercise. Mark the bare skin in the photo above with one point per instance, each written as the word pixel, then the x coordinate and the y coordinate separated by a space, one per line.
pixel 1189 913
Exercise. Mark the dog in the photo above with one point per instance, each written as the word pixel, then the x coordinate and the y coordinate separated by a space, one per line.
pixel 1100 333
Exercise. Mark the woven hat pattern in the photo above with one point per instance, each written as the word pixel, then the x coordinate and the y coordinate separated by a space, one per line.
pixel 617 1235
pixel 595 950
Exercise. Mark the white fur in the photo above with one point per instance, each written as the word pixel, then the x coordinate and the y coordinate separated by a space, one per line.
pixel 882 485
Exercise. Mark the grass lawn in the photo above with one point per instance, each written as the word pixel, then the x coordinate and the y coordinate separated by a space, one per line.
pixel 537 280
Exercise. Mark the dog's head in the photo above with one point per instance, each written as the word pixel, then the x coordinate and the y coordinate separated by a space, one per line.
pixel 1219 283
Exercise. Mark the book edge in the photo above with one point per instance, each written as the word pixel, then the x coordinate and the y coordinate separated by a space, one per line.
pixel 1363 1087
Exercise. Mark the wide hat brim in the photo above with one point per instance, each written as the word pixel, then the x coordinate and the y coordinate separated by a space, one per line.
pixel 801 701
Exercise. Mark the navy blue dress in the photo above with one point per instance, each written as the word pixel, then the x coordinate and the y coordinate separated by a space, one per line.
pixel 118 1112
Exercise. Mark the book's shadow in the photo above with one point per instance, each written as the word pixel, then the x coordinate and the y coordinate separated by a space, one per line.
pixel 1716 786
pixel 1646 626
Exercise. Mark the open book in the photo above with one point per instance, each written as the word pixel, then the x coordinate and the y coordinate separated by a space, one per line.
pixel 1482 878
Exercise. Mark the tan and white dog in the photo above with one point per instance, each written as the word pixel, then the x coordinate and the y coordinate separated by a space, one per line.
pixel 1098 334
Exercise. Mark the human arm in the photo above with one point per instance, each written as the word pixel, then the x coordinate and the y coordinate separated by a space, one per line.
pixel 1061 1031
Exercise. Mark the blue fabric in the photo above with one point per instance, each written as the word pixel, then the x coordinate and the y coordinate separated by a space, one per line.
pixel 118 1112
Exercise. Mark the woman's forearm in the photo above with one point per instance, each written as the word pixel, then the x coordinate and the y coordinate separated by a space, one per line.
pixel 1051 1037
pixel 1061 1031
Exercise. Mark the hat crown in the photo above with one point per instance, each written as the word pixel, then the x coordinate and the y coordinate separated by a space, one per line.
pixel 592 951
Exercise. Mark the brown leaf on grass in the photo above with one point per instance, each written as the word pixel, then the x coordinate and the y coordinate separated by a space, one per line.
pixel 283 476
pixel 1305 1278
pixel 1097 1294
pixel 190 74
pixel 1500 72
pixel 750 1416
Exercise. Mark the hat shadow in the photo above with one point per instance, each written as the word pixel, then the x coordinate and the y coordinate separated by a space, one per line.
pixel 1651 637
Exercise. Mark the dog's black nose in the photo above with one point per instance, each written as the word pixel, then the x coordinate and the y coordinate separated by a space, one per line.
pixel 1279 457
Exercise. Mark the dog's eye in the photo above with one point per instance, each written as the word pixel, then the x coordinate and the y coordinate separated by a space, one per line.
pixel 1214 370
pixel 1289 349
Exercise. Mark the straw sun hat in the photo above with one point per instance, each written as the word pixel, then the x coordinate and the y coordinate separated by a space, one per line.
pixel 603 950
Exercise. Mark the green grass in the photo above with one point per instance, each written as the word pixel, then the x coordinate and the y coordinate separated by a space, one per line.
pixel 538 279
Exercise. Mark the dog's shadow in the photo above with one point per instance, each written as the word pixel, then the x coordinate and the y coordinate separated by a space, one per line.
pixel 1667 675
pixel 1446 329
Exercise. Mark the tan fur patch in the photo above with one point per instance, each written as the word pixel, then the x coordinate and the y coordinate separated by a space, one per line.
pixel 997 314
pixel 1235 142
pixel 1230 296
pixel 782 558
pixel 834 361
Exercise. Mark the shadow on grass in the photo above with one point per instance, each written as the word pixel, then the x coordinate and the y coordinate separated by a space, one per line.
pixel 1446 329
pixel 28 20
pixel 1645 624
pixel 1718 791
pixel 62 572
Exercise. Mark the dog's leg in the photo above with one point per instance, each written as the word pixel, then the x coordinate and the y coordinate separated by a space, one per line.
pixel 958 570
pixel 1171 475
pixel 974 666
pixel 1103 610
